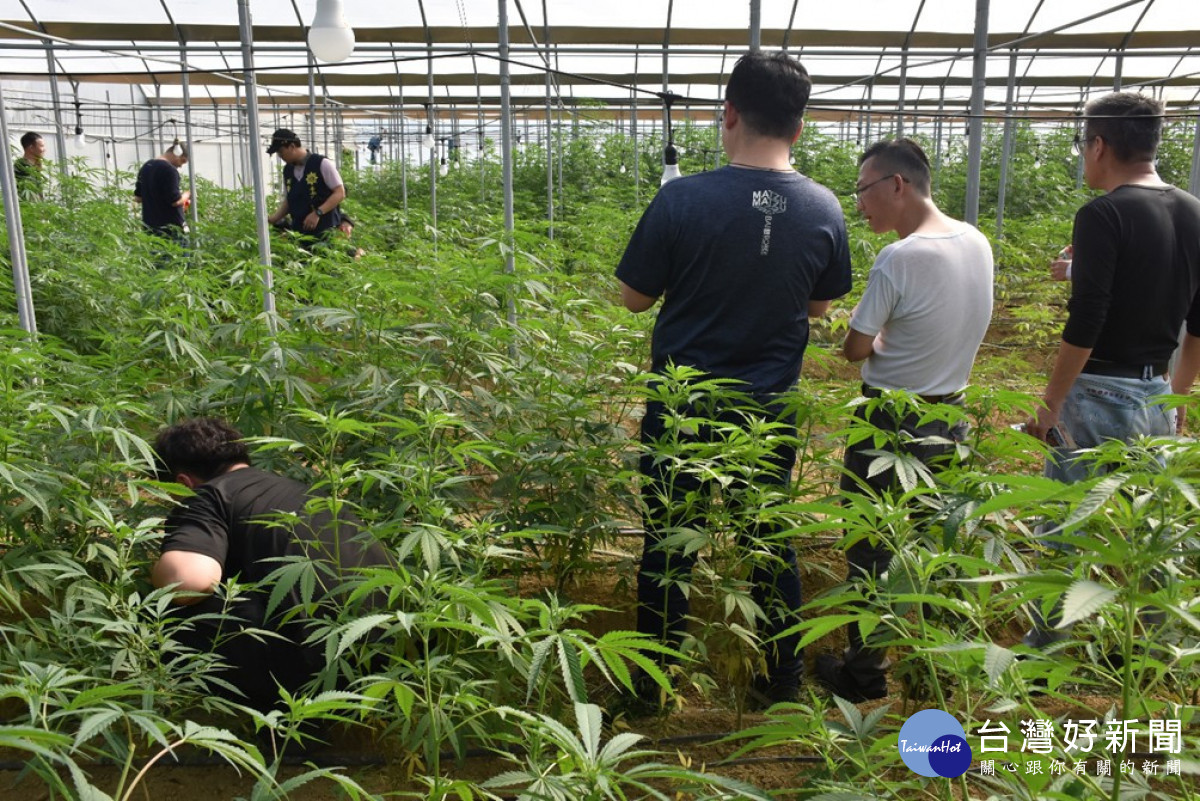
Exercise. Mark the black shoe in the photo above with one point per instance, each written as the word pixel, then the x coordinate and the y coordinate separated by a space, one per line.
pixel 764 693
pixel 831 672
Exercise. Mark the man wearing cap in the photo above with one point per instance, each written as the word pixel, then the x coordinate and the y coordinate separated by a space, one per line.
pixel 312 186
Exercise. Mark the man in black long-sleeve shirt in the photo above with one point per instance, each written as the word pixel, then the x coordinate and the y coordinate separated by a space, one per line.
pixel 1135 279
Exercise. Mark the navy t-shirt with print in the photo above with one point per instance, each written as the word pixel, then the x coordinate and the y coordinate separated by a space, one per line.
pixel 737 254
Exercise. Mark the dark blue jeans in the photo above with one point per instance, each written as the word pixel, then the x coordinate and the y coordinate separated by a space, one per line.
pixel 662 601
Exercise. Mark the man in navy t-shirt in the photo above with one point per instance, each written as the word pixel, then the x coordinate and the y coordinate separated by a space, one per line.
pixel 742 256
pixel 158 191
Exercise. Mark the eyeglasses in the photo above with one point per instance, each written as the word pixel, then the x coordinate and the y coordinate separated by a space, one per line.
pixel 859 190
pixel 1079 144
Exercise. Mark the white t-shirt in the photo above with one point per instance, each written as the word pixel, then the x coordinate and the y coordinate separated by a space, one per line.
pixel 928 303
pixel 329 172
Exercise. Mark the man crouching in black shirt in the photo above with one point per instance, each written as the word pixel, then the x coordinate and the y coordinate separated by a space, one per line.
pixel 234 527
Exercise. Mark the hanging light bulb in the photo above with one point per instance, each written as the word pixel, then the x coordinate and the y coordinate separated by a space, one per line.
pixel 330 38
pixel 80 140
pixel 670 165
pixel 622 169
pixel 427 142
pixel 444 169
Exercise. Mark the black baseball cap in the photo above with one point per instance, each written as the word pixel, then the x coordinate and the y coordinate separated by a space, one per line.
pixel 280 138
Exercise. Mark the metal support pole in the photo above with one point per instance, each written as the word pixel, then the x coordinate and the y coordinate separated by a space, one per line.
pixel 59 139
pixel 325 140
pixel 235 124
pixel 260 200
pixel 718 146
pixel 112 134
pixel 312 100
pixel 480 139
pixel 870 104
pixel 755 24
pixel 549 138
pixel 507 168
pixel 395 139
pixel 137 148
pixel 403 156
pixel 937 139
pixel 433 165
pixel 975 137
pixel 159 127
pixel 1078 132
pixel 633 134
pixel 16 234
pixel 1006 151
pixel 561 158
pixel 187 133
pixel 1194 179
pixel 339 136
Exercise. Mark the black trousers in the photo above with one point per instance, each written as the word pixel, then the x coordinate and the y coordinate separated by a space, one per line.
pixel 865 560
pixel 663 604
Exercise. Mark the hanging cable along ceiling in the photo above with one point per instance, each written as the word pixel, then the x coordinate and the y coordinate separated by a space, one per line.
pixel 1062 60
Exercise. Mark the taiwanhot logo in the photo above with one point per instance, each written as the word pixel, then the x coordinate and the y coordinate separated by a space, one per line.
pixel 933 743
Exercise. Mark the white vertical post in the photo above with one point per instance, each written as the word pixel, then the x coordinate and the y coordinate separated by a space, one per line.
pixel 975 137
pixel 256 172
pixel 16 234
pixel 506 148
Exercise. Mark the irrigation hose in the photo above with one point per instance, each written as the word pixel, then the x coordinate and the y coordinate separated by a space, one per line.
pixel 360 759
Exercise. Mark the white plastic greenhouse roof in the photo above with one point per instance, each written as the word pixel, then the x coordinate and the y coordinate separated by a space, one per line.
pixel 881 54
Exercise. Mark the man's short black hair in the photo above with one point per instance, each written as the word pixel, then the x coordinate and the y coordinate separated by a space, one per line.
pixel 28 139
pixel 204 446
pixel 903 157
pixel 1128 122
pixel 770 92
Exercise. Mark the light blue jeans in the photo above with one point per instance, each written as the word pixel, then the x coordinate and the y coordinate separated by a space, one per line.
pixel 1100 408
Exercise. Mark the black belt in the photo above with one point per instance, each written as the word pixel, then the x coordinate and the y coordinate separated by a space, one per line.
pixel 1119 370
pixel 869 391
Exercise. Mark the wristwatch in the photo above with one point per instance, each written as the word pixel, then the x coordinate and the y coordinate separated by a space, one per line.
pixel 317 211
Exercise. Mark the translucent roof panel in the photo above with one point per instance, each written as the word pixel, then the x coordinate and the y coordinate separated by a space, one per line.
pixel 1066 50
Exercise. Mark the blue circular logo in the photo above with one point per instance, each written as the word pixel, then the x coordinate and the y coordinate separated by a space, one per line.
pixel 932 743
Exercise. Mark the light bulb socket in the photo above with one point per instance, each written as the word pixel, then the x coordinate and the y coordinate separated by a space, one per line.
pixel 670 155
